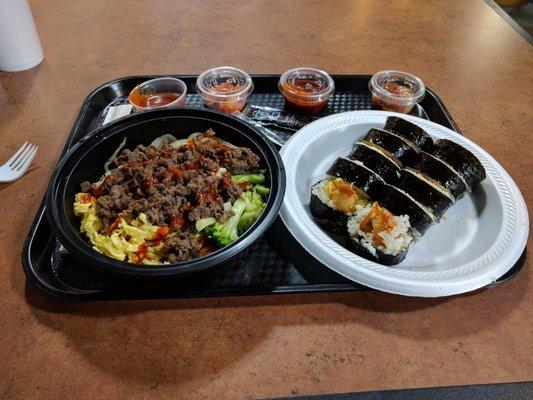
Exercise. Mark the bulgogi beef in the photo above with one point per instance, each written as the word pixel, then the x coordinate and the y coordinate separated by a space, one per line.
pixel 174 187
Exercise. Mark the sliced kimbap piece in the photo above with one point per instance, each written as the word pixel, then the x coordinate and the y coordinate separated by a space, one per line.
pixel 426 191
pixel 401 148
pixel 461 160
pixel 442 172
pixel 332 200
pixel 412 132
pixel 379 160
pixel 357 173
pixel 399 202
pixel 378 235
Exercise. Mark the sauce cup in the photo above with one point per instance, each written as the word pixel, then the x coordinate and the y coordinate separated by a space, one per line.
pixel 305 89
pixel 396 91
pixel 158 93
pixel 225 88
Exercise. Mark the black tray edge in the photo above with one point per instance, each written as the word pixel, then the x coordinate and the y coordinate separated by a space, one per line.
pixel 60 293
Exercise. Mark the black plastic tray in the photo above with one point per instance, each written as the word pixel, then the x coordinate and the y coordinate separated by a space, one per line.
pixel 274 264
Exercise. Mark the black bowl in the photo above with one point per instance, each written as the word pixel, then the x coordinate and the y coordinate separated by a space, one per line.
pixel 86 160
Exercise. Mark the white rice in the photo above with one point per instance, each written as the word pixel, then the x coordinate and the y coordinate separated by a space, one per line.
pixel 319 190
pixel 395 241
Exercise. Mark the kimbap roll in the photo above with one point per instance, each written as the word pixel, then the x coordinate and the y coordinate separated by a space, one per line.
pixel 461 160
pixel 426 191
pixel 409 131
pixel 378 235
pixel 356 173
pixel 332 200
pixel 401 148
pixel 399 202
pixel 442 172
pixel 377 159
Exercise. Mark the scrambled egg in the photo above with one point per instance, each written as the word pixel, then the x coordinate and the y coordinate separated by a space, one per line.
pixel 136 242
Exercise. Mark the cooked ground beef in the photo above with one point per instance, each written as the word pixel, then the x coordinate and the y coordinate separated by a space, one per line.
pixel 174 187
pixel 182 247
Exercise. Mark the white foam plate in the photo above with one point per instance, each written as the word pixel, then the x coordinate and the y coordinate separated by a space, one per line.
pixel 478 240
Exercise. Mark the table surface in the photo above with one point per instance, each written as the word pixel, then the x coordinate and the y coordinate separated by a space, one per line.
pixel 270 345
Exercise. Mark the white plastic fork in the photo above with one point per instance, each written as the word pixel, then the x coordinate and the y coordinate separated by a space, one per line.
pixel 17 165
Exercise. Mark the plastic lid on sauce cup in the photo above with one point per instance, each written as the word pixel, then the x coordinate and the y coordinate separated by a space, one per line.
pixel 320 89
pixel 224 84
pixel 378 82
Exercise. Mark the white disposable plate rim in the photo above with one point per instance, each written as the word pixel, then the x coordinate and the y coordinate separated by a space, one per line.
pixel 488 267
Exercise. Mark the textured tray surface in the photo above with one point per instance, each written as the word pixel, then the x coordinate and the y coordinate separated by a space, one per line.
pixel 339 102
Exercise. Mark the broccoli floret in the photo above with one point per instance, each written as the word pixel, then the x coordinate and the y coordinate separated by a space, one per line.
pixel 250 178
pixel 254 208
pixel 227 232
pixel 262 190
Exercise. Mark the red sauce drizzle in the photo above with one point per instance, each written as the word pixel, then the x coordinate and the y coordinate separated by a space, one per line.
pixel 244 185
pixel 191 165
pixel 207 196
pixel 177 221
pixel 86 198
pixel 226 181
pixel 97 192
pixel 113 226
pixel 142 254
pixel 178 173
pixel 162 232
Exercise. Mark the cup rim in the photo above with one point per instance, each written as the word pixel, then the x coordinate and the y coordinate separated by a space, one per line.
pixel 308 97
pixel 239 94
pixel 376 88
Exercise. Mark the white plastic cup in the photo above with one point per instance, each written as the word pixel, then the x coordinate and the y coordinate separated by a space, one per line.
pixel 20 47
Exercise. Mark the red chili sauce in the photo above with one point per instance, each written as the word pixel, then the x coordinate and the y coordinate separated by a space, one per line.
pixel 299 93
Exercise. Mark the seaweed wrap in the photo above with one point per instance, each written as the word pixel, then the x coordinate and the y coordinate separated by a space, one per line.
pixel 412 132
pixel 399 202
pixel 399 147
pixel 356 173
pixel 332 200
pixel 461 160
pixel 426 191
pixel 377 159
pixel 378 235
pixel 443 173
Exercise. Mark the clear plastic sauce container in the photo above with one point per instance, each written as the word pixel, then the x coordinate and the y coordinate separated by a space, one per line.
pixel 225 88
pixel 158 93
pixel 306 89
pixel 396 91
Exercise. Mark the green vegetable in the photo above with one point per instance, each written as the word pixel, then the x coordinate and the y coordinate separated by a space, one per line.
pixel 203 223
pixel 227 232
pixel 254 207
pixel 362 202
pixel 227 206
pixel 246 210
pixel 262 190
pixel 251 178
